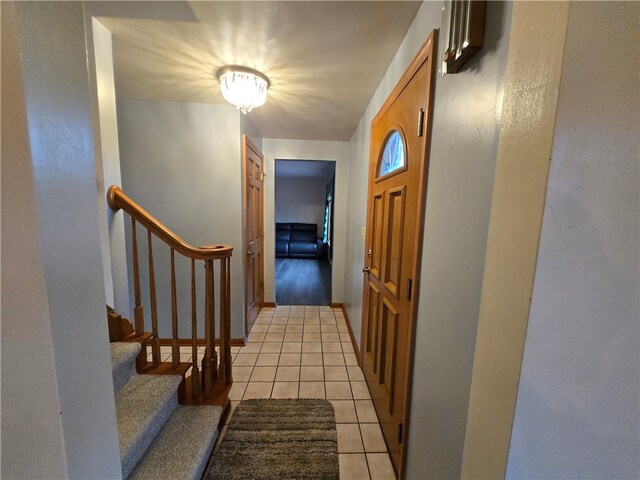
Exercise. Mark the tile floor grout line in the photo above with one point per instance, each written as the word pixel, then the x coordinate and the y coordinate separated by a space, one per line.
pixel 366 459
pixel 364 448
pixel 324 372
pixel 252 370
pixel 300 369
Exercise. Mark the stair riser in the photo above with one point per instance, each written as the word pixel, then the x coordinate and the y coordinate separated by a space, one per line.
pixel 182 449
pixel 158 438
pixel 123 358
pixel 122 374
pixel 132 457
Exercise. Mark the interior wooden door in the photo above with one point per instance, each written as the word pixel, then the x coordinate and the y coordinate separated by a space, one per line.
pixel 395 210
pixel 252 160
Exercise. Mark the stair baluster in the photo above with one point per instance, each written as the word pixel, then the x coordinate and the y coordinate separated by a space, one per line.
pixel 225 337
pixel 209 329
pixel 195 371
pixel 227 323
pixel 155 342
pixel 212 341
pixel 138 314
pixel 175 347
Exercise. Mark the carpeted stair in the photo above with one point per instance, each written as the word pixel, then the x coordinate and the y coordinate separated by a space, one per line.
pixel 158 438
pixel 123 357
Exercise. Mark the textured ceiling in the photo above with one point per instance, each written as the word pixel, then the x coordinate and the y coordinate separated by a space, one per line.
pixel 324 59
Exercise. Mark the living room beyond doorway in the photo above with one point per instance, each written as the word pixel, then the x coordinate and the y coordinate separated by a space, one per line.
pixel 304 208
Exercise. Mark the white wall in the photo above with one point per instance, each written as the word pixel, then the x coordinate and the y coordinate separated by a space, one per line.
pixel 30 399
pixel 105 130
pixel 577 413
pixel 464 143
pixel 248 128
pixel 53 52
pixel 283 149
pixel 181 162
pixel 532 80
pixel 102 58
pixel 108 167
pixel 462 161
pixel 300 200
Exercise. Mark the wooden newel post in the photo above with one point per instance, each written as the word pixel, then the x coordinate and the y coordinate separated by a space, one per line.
pixel 225 323
pixel 195 371
pixel 209 362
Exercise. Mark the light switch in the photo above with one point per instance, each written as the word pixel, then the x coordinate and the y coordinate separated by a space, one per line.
pixel 363 233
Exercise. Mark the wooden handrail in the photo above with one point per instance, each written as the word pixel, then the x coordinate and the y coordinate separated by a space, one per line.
pixel 117 200
pixel 210 382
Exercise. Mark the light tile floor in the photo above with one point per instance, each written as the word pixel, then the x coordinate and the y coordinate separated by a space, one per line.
pixel 306 352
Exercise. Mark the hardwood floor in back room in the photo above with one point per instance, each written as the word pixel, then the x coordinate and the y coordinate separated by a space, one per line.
pixel 302 281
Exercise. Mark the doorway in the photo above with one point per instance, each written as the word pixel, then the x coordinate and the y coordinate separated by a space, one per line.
pixel 304 213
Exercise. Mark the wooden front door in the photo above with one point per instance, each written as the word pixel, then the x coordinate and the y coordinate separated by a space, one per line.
pixel 252 160
pixel 395 210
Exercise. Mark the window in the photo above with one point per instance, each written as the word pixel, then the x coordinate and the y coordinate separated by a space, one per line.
pixel 327 220
pixel 392 154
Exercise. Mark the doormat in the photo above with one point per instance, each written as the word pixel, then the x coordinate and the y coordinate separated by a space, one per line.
pixel 279 439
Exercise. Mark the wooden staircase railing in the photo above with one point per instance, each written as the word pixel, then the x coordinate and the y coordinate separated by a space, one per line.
pixel 211 381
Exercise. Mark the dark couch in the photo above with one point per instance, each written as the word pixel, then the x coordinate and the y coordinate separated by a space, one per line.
pixel 298 240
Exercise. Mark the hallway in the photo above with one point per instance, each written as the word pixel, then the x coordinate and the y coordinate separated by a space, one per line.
pixel 303 281
pixel 306 352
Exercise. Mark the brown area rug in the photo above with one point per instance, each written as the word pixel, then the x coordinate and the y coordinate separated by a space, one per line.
pixel 279 439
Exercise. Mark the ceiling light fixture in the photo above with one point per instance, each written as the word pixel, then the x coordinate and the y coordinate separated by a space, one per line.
pixel 243 87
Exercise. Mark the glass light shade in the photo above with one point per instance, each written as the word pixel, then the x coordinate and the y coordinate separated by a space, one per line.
pixel 243 87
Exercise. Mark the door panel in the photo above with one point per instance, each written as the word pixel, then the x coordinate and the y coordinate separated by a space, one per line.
pixel 388 339
pixel 394 228
pixel 371 350
pixel 253 231
pixel 376 242
pixel 398 168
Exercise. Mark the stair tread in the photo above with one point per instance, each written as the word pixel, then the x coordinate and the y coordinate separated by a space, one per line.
pixel 184 445
pixel 123 356
pixel 121 352
pixel 166 368
pixel 134 337
pixel 143 406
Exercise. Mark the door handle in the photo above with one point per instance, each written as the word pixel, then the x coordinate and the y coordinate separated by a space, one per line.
pixel 366 270
pixel 249 252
